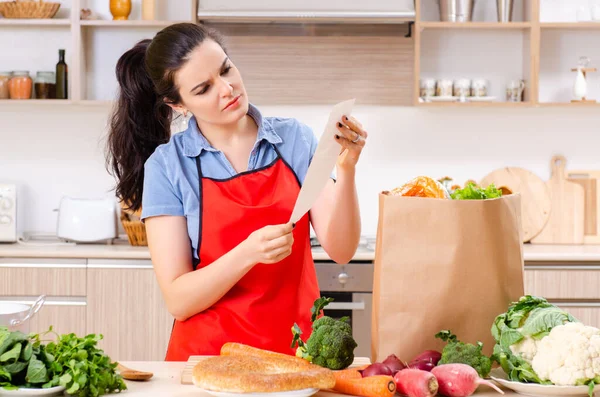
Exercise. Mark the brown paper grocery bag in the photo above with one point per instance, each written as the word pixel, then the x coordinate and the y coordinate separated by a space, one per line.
pixel 443 264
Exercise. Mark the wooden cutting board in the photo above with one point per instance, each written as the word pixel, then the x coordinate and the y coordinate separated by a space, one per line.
pixel 590 181
pixel 186 374
pixel 566 223
pixel 535 196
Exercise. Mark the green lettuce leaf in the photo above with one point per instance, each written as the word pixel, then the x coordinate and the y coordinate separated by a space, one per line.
pixel 472 192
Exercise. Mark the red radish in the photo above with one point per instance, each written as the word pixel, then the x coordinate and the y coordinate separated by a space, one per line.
pixel 429 355
pixel 416 383
pixel 422 365
pixel 459 380
pixel 394 363
pixel 376 369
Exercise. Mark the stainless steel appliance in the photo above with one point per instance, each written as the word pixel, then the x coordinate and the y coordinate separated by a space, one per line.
pixel 8 213
pixel 351 286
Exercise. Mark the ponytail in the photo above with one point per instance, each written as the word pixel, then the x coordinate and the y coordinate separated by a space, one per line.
pixel 141 119
pixel 139 123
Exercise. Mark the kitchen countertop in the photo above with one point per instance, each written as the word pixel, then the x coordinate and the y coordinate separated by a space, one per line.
pixel 167 382
pixel 122 250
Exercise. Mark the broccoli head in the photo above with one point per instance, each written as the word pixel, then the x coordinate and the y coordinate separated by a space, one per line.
pixel 464 353
pixel 330 345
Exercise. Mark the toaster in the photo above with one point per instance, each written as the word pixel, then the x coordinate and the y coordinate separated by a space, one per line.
pixel 87 220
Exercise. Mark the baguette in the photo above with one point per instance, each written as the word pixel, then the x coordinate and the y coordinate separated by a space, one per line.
pixel 245 369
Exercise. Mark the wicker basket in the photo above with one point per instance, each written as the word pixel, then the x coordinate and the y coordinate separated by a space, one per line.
pixel 136 232
pixel 133 226
pixel 28 9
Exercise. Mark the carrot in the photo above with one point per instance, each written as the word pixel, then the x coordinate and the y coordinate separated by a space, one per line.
pixel 373 386
pixel 346 374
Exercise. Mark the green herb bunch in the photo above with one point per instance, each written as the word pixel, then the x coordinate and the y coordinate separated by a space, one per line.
pixel 70 361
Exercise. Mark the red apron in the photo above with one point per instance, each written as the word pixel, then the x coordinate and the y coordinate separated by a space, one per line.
pixel 262 307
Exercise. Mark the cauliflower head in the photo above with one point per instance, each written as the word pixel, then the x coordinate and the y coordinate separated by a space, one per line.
pixel 569 355
pixel 526 348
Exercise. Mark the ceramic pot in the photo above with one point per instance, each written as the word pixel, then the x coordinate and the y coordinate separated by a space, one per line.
pixel 120 9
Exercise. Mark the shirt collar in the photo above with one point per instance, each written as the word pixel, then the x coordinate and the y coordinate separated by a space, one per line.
pixel 194 142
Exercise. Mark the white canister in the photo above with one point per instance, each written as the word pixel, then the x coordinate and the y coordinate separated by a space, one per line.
pixel 427 88
pixel 462 87
pixel 479 88
pixel 444 88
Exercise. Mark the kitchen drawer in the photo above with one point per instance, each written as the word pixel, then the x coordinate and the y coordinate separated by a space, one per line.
pixel 51 277
pixel 64 313
pixel 587 313
pixel 563 282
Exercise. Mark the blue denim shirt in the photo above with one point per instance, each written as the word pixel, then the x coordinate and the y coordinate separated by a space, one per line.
pixel 171 177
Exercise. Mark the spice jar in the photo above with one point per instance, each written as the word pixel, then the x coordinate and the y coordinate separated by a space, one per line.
pixel 20 85
pixel 4 78
pixel 45 85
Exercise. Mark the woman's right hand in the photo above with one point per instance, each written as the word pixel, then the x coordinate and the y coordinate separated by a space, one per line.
pixel 270 244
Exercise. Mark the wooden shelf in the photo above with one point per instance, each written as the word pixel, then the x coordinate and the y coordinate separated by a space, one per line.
pixel 12 102
pixel 35 22
pixel 475 104
pixel 570 25
pixel 128 24
pixel 474 25
pixel 49 102
pixel 390 17
pixel 569 104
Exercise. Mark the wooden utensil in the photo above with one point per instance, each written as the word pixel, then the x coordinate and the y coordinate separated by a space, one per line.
pixel 590 181
pixel 535 196
pixel 565 225
pixel 132 374
pixel 186 374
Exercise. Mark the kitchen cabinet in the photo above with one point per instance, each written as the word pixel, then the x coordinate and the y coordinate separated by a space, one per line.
pixel 573 287
pixel 124 303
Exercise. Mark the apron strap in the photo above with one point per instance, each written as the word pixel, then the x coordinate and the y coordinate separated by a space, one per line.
pixel 196 261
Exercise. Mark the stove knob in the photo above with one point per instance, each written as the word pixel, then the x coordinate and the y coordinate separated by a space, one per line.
pixel 5 220
pixel 5 204
pixel 343 278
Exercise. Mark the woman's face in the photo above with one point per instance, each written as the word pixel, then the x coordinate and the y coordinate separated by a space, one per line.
pixel 211 87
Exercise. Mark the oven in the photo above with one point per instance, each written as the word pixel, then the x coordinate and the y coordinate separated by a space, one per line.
pixel 351 288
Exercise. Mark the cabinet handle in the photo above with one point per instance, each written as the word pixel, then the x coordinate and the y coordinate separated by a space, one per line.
pixel 43 265
pixel 345 306
pixel 117 266
pixel 562 267
pixel 576 304
pixel 50 300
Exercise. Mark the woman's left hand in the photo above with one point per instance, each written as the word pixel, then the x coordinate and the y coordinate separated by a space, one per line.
pixel 352 138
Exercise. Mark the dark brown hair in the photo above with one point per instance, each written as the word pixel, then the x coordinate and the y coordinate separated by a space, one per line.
pixel 141 119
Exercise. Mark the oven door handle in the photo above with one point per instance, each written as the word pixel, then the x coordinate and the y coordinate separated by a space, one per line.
pixel 345 306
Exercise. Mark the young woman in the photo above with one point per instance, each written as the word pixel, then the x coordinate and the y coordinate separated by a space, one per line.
pixel 216 198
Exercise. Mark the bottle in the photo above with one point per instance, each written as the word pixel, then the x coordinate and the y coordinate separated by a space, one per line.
pixel 62 88
pixel 580 87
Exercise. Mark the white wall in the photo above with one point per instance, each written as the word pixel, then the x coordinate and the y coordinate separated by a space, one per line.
pixel 58 150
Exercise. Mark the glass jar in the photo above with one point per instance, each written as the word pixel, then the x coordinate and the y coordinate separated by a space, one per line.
pixel 45 85
pixel 4 78
pixel 20 85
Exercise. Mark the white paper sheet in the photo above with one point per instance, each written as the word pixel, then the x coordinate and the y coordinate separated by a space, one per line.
pixel 322 163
